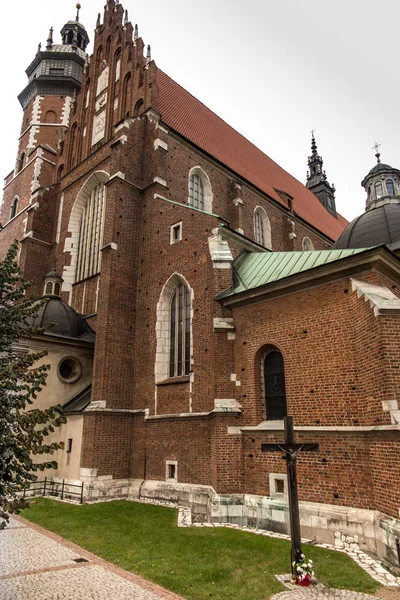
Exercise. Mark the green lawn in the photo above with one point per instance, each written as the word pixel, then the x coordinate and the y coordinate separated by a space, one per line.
pixel 197 563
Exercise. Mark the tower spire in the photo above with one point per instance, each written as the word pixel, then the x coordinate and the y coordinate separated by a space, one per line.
pixel 313 143
pixel 78 8
pixel 317 180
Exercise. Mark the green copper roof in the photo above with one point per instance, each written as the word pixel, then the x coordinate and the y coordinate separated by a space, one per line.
pixel 260 268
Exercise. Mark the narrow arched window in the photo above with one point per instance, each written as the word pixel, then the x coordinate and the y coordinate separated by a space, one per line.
pixel 196 191
pixel 258 228
pixel 369 192
pixel 274 386
pixel 14 208
pixel 56 289
pixel 262 227
pixel 138 108
pixel 49 288
pixel 307 244
pixel 179 352
pixel 21 162
pixel 90 234
pixel 390 187
pixel 378 190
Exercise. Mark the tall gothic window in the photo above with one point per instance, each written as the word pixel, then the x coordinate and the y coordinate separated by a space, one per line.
pixel 196 191
pixel 262 227
pixel 378 190
pixel 90 235
pixel 274 386
pixel 390 187
pixel 14 207
pixel 179 353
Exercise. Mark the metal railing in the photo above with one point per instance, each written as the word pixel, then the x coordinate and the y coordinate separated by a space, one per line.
pixel 49 487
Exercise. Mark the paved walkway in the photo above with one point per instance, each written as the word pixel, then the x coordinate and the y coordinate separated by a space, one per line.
pixel 39 565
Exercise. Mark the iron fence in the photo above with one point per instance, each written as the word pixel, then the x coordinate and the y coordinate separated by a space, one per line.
pixel 49 487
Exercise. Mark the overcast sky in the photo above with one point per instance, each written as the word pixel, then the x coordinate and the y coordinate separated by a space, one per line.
pixel 272 70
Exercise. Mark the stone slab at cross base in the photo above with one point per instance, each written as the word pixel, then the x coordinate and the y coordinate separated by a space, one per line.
pixel 316 591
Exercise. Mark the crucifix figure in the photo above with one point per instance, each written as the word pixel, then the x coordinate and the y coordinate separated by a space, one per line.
pixel 291 449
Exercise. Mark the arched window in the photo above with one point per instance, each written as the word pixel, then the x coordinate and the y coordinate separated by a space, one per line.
pixel 173 329
pixel 90 235
pixel 262 227
pixel 49 288
pixel 21 162
pixel 274 385
pixel 138 108
pixel 126 97
pixel 307 244
pixel 369 192
pixel 14 207
pixel 200 192
pixel 179 338
pixel 390 187
pixel 196 192
pixel 56 289
pixel 108 47
pixel 378 190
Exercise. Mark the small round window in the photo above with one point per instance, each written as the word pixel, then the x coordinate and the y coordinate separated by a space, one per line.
pixel 69 370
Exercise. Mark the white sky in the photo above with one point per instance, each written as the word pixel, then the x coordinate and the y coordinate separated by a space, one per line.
pixel 272 70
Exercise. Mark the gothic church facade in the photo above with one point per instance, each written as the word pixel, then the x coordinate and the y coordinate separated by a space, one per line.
pixel 198 300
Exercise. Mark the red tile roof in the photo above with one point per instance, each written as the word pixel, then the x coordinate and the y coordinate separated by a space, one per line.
pixel 186 115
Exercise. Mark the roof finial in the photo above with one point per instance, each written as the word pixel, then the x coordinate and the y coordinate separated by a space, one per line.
pixel 313 143
pixel 50 39
pixel 148 57
pixel 136 34
pixel 39 47
pixel 126 17
pixel 78 8
pixel 376 147
pixel 98 21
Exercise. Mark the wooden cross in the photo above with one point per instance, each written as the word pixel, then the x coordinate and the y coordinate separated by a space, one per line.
pixel 291 449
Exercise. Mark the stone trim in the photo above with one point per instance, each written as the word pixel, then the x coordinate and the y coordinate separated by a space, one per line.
pixel 380 298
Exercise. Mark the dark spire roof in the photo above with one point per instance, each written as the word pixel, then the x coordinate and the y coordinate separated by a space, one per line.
pixel 317 180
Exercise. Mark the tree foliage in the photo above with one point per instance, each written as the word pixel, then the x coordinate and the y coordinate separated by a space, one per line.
pixel 23 430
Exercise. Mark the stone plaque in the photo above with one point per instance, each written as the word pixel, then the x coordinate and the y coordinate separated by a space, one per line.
pixel 102 81
pixel 101 101
pixel 99 124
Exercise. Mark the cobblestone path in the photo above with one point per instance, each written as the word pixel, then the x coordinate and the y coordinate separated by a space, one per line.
pixel 38 565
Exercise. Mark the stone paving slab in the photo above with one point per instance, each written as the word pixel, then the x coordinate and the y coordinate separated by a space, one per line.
pixel 22 549
pixel 89 582
pixel 316 591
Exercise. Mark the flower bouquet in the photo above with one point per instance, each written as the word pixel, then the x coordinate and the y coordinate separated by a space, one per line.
pixel 304 571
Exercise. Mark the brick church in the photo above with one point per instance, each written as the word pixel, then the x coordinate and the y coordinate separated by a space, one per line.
pixel 197 293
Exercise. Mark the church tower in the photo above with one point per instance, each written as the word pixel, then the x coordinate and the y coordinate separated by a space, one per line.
pixel 317 181
pixel 54 78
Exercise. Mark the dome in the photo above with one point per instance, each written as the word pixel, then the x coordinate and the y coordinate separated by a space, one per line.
pixel 376 226
pixel 379 168
pixel 63 320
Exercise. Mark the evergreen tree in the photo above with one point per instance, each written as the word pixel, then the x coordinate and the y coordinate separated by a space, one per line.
pixel 22 429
